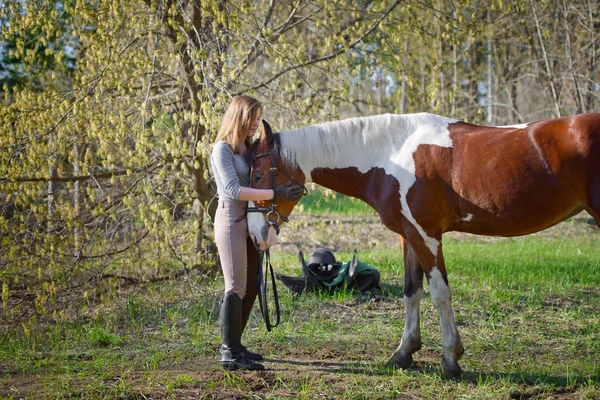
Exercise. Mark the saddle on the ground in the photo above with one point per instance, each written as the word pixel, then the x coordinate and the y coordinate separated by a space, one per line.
pixel 323 271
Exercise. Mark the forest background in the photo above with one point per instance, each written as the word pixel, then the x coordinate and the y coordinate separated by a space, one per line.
pixel 109 108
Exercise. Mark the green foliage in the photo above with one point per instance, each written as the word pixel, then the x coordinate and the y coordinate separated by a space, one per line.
pixel 105 140
pixel 109 110
pixel 29 56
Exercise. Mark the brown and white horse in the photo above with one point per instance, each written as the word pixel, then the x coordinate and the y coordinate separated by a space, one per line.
pixel 426 175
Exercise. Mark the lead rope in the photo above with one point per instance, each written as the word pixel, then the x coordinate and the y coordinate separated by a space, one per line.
pixel 262 281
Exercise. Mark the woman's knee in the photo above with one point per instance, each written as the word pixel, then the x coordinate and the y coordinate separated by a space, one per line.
pixel 241 293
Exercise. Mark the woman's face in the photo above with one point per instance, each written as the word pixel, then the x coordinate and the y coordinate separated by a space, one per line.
pixel 254 126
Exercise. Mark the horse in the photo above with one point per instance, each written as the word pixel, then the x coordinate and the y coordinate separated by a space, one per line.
pixel 427 174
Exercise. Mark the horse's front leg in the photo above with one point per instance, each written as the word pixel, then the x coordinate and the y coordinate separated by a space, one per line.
pixel 442 300
pixel 428 259
pixel 413 292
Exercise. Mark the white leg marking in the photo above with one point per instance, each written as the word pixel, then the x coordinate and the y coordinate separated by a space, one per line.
pixel 442 299
pixel 411 338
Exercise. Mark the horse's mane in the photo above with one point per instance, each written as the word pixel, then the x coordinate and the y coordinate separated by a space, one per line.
pixel 324 145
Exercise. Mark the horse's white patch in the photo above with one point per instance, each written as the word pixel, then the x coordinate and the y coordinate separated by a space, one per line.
pixel 442 300
pixel 258 229
pixel 539 151
pixel 518 126
pixel 384 141
pixel 272 237
pixel 467 218
pixel 256 223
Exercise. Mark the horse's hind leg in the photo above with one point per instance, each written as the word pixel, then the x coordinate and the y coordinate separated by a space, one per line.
pixel 413 292
pixel 593 206
pixel 593 195
pixel 595 214
pixel 442 300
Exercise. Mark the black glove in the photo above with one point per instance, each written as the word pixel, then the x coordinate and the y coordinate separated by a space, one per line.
pixel 287 192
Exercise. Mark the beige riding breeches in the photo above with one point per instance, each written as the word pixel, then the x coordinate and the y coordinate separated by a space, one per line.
pixel 231 239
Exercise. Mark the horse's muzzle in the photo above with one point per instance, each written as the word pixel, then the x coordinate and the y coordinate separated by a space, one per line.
pixel 268 238
pixel 263 235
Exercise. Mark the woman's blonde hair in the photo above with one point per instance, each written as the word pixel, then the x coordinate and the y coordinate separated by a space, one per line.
pixel 237 121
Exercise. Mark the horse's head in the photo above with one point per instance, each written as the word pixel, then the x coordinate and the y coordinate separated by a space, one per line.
pixel 270 170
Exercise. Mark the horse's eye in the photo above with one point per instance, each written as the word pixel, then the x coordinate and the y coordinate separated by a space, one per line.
pixel 258 177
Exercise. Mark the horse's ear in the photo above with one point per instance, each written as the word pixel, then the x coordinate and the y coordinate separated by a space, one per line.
pixel 267 132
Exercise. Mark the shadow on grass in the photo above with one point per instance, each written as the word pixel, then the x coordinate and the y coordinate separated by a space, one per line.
pixel 559 384
pixel 392 290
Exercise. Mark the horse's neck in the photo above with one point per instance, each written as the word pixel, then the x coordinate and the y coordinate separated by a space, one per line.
pixel 384 141
pixel 335 145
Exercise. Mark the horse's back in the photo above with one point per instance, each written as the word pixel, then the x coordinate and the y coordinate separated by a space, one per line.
pixel 522 179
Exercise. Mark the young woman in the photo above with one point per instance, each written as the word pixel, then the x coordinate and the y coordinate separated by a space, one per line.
pixel 238 257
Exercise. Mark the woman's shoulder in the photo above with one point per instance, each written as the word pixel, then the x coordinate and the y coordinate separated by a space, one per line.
pixel 221 146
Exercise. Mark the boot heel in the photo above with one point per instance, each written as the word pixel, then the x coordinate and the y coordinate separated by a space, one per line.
pixel 242 363
pixel 228 365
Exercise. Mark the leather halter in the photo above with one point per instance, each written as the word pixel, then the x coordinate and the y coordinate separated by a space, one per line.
pixel 271 210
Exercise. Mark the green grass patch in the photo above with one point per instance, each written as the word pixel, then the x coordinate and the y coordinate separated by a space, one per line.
pixel 533 267
pixel 321 201
pixel 99 336
pixel 527 310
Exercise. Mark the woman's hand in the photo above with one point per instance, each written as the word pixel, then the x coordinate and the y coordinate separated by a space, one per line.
pixel 288 192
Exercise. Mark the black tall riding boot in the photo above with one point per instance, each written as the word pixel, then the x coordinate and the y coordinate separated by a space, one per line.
pixel 251 293
pixel 232 355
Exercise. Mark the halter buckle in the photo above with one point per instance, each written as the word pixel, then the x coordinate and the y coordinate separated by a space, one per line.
pixel 272 221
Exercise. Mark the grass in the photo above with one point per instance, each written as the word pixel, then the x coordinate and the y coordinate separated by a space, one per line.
pixel 528 311
pixel 321 201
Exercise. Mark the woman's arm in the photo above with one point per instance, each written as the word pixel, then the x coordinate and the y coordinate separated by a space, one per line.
pixel 282 192
pixel 228 181
pixel 251 194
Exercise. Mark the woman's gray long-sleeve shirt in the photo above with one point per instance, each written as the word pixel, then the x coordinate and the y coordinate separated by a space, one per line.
pixel 231 172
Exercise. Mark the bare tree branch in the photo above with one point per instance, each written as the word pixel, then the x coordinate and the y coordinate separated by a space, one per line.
pixel 323 58
pixel 555 104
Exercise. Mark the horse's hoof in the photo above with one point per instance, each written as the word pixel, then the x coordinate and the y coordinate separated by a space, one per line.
pixel 451 369
pixel 400 360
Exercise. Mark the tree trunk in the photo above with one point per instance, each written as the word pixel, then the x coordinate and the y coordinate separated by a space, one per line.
pixel 76 196
pixel 595 26
pixel 454 88
pixel 569 54
pixel 50 200
pixel 490 81
pixel 549 73
pixel 402 104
